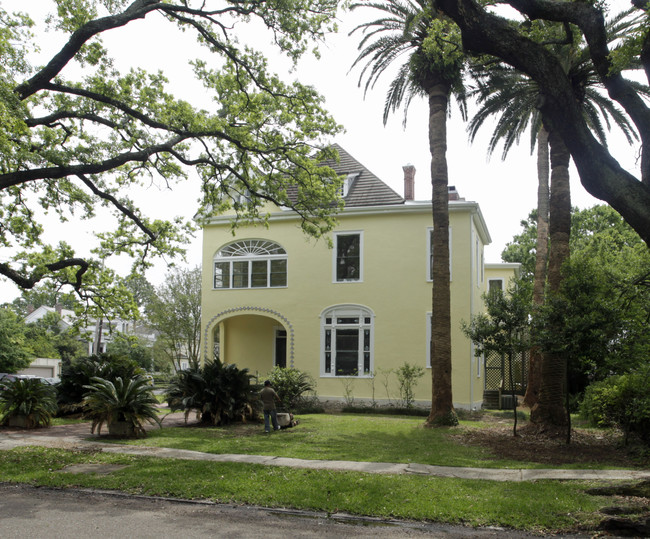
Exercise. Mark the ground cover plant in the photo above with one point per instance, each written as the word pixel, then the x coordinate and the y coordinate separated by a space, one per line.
pixel 544 506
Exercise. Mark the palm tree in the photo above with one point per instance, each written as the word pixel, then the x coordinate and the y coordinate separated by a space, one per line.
pixel 433 69
pixel 504 91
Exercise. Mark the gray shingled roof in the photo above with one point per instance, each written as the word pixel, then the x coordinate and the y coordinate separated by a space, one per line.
pixel 366 189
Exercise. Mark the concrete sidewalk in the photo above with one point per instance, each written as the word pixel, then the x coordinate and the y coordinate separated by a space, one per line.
pixel 76 436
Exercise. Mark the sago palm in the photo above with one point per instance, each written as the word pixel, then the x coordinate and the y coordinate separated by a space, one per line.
pixel 428 45
pixel 220 393
pixel 131 402
pixel 30 400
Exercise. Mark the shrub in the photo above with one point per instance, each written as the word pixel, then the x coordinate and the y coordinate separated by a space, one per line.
pixel 27 402
pixel 385 410
pixel 291 386
pixel 162 379
pixel 220 393
pixel 620 401
pixel 129 402
pixel 79 374
pixel 407 377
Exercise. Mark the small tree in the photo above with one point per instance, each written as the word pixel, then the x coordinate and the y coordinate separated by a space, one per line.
pixel 504 330
pixel 175 312
pixel 133 347
pixel 407 377
pixel 14 351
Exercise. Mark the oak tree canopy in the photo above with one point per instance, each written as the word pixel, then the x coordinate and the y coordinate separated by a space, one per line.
pixel 76 134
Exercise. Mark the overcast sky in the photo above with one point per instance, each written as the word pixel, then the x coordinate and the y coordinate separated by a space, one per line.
pixel 505 191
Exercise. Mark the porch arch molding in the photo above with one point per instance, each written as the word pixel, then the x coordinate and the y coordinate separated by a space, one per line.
pixel 249 310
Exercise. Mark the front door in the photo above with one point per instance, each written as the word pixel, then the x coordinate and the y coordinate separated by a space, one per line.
pixel 280 348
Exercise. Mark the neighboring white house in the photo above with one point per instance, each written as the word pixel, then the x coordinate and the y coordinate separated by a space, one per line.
pixel 96 334
pixel 44 367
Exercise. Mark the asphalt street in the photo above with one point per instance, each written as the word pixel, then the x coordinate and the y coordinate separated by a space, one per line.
pixel 35 513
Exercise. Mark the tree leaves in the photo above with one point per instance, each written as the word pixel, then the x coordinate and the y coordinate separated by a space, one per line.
pixel 73 140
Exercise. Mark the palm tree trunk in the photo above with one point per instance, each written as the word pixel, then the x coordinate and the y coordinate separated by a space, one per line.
pixel 442 407
pixel 541 260
pixel 550 410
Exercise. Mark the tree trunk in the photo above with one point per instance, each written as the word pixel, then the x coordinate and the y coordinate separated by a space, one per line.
pixel 442 406
pixel 541 261
pixel 550 409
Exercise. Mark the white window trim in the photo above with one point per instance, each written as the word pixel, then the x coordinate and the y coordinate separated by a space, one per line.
pixel 249 259
pixel 428 248
pixel 348 182
pixel 428 341
pixel 335 253
pixel 347 310
pixel 477 262
pixel 503 283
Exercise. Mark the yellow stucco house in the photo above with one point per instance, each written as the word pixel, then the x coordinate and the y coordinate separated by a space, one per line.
pixel 347 314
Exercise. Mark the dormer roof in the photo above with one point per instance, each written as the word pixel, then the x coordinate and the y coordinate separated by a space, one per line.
pixel 362 187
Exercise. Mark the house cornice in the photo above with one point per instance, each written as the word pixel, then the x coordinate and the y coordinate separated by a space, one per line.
pixel 515 266
pixel 455 206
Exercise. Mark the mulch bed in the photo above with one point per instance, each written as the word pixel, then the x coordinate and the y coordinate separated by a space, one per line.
pixel 550 448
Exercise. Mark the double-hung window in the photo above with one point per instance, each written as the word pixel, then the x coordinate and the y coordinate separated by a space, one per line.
pixel 347 341
pixel 495 286
pixel 430 254
pixel 250 264
pixel 348 257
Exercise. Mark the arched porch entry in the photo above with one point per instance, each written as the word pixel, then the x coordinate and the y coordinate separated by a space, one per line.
pixel 256 338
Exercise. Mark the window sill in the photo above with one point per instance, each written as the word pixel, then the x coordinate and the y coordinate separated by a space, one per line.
pixel 251 288
pixel 350 377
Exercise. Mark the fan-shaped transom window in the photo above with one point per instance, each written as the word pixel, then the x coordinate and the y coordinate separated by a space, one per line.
pixel 251 248
pixel 250 264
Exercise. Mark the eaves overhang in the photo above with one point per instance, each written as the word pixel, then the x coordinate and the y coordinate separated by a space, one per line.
pixel 455 206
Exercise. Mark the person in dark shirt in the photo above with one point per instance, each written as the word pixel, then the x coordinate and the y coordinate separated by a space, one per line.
pixel 269 396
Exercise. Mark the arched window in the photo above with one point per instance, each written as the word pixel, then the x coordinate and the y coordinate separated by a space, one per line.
pixel 347 337
pixel 250 264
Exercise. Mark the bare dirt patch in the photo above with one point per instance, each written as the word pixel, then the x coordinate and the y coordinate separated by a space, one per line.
pixel 531 445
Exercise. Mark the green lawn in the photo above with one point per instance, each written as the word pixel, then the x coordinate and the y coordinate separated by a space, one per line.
pixel 549 506
pixel 371 438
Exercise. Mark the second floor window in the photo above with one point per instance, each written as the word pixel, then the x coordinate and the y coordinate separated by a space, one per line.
pixel 250 264
pixel 430 254
pixel 348 261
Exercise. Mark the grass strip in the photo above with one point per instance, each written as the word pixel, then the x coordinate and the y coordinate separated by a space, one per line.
pixel 543 506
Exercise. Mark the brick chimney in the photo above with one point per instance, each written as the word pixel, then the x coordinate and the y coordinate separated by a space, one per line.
pixel 58 308
pixel 453 194
pixel 409 182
